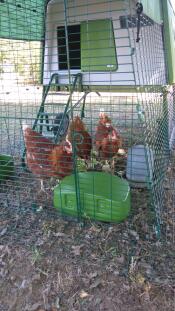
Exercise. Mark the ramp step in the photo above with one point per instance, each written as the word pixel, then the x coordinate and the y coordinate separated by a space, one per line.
pixel 54 114
pixel 45 124
pixel 55 104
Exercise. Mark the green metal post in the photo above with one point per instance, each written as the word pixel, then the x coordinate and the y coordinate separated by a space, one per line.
pixel 167 40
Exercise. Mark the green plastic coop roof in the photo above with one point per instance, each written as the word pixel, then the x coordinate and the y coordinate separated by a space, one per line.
pixel 22 19
pixel 169 26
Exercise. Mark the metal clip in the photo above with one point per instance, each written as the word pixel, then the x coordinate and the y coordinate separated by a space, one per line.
pixel 139 10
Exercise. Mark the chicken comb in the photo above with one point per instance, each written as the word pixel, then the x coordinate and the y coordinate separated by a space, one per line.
pixel 104 117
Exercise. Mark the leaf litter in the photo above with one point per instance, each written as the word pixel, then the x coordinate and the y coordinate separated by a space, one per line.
pixel 50 264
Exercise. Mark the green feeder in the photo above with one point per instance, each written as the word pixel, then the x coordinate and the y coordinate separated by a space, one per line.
pixel 103 197
pixel 6 166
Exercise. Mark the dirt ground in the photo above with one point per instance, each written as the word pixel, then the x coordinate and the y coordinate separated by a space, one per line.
pixel 48 263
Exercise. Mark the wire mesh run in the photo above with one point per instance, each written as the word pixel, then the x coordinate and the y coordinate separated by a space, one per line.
pixel 96 131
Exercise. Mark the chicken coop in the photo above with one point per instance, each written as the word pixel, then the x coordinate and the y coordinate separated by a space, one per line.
pixel 87 106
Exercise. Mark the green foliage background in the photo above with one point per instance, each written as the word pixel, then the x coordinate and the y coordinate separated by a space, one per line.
pixel 22 58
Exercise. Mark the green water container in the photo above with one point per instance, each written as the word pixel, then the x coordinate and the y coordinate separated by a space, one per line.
pixel 6 166
pixel 103 197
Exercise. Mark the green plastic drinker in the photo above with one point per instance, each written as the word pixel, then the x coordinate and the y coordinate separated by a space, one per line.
pixel 102 196
pixel 6 166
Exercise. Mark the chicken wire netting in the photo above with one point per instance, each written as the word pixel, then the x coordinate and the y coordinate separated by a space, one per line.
pixel 104 62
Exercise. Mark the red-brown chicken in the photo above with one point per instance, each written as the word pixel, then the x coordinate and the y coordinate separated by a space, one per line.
pixel 107 139
pixel 46 159
pixel 78 135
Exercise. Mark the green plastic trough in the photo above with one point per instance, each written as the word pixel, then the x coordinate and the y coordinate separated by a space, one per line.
pixel 6 166
pixel 103 197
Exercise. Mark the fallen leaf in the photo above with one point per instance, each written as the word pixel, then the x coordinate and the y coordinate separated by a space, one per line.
pixel 3 232
pixel 36 277
pixel 35 307
pixel 95 229
pixel 96 283
pixel 3 222
pixel 134 234
pixel 24 284
pixel 13 304
pixel 140 279
pixel 59 234
pixel 106 168
pixel 126 287
pixel 120 259
pixel 145 297
pixel 76 250
pixel 116 272
pixel 92 275
pixel 83 294
pixel 57 303
pixel 97 301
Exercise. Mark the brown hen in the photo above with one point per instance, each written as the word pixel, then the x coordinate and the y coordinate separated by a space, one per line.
pixel 107 139
pixel 46 159
pixel 80 138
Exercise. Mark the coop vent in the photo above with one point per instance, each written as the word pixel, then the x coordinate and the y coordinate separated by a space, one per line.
pixel 131 21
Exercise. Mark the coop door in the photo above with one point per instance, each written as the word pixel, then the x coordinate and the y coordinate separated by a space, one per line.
pixel 98 52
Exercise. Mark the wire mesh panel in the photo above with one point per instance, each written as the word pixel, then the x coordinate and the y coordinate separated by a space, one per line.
pixel 97 129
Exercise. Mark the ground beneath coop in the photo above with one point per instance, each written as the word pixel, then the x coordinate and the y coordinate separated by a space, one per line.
pixel 48 263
